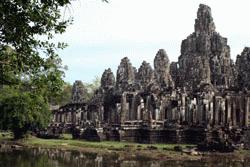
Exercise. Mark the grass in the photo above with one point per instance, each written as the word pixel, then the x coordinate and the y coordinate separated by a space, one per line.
pixel 102 145
pixel 67 136
pixel 5 135
pixel 124 149
pixel 68 142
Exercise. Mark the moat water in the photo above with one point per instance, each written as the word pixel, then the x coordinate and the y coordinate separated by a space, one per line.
pixel 57 158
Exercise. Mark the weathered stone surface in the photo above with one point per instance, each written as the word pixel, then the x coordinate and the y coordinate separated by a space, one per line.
pixel 246 137
pixel 175 74
pixel 162 69
pixel 78 92
pixel 204 22
pixel 243 69
pixel 106 88
pixel 125 75
pixel 145 75
pixel 205 55
pixel 189 101
pixel 108 79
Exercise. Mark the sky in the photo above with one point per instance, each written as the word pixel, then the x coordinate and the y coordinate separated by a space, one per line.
pixel 103 33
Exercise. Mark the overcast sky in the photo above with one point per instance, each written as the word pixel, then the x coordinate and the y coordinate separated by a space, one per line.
pixel 103 33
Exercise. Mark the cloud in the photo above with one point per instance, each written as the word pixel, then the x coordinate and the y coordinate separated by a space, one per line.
pixel 102 33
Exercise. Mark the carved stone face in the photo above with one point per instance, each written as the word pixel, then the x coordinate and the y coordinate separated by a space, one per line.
pixel 162 69
pixel 108 79
pixel 205 55
pixel 125 74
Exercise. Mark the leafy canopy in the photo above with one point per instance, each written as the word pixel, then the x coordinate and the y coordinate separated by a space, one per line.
pixel 22 111
pixel 31 71
pixel 23 25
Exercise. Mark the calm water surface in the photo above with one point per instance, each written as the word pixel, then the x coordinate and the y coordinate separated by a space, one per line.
pixel 57 158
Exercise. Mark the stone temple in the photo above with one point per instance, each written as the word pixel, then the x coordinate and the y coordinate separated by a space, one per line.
pixel 204 96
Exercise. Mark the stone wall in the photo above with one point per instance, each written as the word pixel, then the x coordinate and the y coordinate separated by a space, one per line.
pixel 178 102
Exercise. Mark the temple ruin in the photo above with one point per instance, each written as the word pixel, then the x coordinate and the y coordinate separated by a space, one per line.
pixel 204 95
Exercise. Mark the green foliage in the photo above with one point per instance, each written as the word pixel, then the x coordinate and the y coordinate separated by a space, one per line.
pixel 111 145
pixel 91 88
pixel 47 82
pixel 64 96
pixel 5 135
pixel 31 71
pixel 22 22
pixel 25 105
pixel 22 111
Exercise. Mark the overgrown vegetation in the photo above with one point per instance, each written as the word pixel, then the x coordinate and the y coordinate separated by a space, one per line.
pixel 104 146
pixel 91 87
pixel 111 145
pixel 31 71
pixel 65 95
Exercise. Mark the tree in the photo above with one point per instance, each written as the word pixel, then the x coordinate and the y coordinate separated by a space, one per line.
pixel 64 97
pixel 92 87
pixel 21 23
pixel 30 69
pixel 22 111
pixel 25 106
pixel 31 73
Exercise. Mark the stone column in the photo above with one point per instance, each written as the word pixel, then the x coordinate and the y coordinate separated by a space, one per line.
pixel 133 109
pixel 138 113
pixel 162 112
pixel 240 114
pixel 124 108
pixel 182 108
pixel 247 110
pixel 223 113
pixel 157 115
pixel 148 110
pixel 55 117
pixel 188 111
pixel 234 112
pixel 211 113
pixel 216 111
pixel 117 112
pixel 194 110
pixel 206 113
pixel 73 114
pixel 199 110
pixel 60 117
pixel 102 113
pixel 242 102
pixel 228 110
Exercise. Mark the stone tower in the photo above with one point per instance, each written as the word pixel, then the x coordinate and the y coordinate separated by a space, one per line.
pixel 243 69
pixel 78 92
pixel 205 55
pixel 108 79
pixel 125 75
pixel 162 69
pixel 145 74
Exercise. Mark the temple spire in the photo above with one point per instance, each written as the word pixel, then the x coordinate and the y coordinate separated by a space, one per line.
pixel 204 22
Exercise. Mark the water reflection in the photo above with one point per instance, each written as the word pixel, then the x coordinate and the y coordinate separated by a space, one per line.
pixel 59 158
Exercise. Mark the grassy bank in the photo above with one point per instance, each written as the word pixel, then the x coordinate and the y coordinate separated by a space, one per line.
pixel 67 141
pixel 126 150
pixel 112 145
